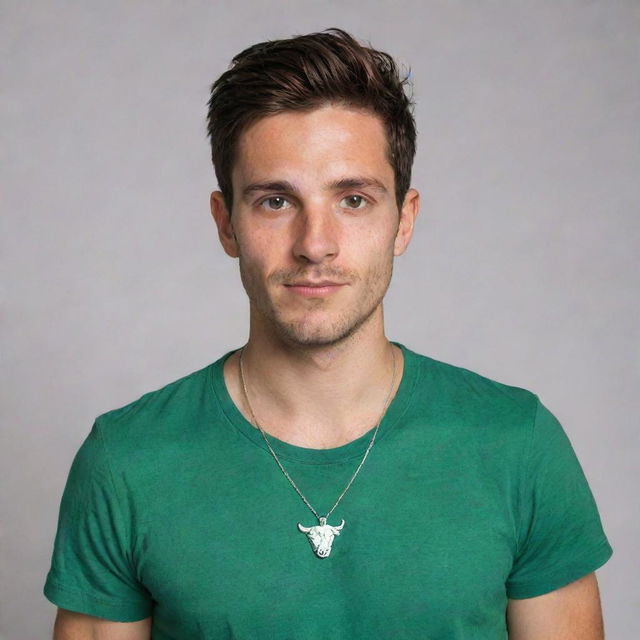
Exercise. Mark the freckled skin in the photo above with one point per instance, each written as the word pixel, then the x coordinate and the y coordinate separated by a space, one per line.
pixel 316 232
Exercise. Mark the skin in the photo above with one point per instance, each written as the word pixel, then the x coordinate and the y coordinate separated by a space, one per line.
pixel 572 612
pixel 314 203
pixel 76 626
pixel 305 224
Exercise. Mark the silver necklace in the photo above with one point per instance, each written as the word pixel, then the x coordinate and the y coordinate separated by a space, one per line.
pixel 320 536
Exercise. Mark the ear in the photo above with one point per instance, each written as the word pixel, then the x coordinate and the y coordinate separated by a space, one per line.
pixel 222 218
pixel 408 214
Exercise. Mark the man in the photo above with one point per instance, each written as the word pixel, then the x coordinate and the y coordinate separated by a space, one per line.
pixel 323 480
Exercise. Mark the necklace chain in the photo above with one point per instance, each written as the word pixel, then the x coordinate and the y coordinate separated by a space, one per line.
pixel 284 471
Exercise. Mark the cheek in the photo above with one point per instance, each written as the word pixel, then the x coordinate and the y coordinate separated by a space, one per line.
pixel 259 261
pixel 260 243
pixel 370 244
pixel 254 246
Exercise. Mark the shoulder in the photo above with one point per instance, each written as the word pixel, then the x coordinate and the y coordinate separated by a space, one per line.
pixel 503 427
pixel 131 449
pixel 473 408
pixel 466 388
pixel 166 414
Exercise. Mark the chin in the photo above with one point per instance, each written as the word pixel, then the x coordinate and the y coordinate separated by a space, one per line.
pixel 320 334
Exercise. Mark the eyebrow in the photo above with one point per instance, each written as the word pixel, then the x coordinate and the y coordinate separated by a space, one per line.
pixel 278 185
pixel 358 182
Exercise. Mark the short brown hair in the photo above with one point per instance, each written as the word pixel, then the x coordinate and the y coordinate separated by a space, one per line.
pixel 303 73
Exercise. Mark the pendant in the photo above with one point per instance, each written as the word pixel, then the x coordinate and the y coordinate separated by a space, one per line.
pixel 321 536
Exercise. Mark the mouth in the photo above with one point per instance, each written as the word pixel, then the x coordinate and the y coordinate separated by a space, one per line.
pixel 310 289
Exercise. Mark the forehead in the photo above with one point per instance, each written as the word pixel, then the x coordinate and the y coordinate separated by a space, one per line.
pixel 324 143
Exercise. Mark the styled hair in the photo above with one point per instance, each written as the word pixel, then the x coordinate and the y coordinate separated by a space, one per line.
pixel 303 73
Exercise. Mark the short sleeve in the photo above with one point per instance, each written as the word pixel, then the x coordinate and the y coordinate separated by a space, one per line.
pixel 92 570
pixel 560 535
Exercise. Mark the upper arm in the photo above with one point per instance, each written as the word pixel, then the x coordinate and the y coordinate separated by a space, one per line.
pixel 77 626
pixel 93 568
pixel 572 612
pixel 558 533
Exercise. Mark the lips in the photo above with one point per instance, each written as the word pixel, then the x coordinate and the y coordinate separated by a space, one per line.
pixel 310 283
pixel 314 288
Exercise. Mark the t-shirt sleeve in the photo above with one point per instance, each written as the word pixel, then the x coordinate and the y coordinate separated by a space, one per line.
pixel 560 535
pixel 92 569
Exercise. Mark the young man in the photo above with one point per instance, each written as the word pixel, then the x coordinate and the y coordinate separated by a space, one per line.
pixel 323 480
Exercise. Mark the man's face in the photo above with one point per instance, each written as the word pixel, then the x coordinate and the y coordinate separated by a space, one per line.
pixel 315 223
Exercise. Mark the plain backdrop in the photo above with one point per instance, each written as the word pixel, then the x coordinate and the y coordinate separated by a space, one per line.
pixel 524 266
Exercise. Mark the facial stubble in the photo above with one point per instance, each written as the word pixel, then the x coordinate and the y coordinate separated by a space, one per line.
pixel 303 331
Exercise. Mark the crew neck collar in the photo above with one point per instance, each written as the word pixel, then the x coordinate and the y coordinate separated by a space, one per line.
pixel 287 451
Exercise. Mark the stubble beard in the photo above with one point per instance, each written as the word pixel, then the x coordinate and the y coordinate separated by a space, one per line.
pixel 303 332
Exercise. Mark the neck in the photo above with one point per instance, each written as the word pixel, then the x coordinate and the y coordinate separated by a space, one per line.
pixel 316 397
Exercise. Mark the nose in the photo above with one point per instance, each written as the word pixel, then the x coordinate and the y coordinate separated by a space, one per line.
pixel 316 236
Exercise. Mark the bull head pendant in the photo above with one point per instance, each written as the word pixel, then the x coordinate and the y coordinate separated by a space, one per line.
pixel 321 536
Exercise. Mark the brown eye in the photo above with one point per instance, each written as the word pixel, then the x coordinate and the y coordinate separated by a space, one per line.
pixel 274 203
pixel 354 202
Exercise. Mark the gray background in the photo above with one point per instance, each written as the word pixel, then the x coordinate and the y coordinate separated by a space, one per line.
pixel 524 266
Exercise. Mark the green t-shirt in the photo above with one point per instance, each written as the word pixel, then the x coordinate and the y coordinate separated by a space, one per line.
pixel 174 508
